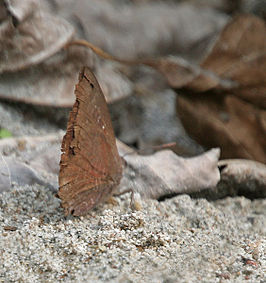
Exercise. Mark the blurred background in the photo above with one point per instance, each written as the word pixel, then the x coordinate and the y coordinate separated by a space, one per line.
pixel 204 85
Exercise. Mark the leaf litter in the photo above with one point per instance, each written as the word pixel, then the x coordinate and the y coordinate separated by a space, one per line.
pixel 227 88
pixel 22 45
pixel 154 176
pixel 34 208
pixel 36 70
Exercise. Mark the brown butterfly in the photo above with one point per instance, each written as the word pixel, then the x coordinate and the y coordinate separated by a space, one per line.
pixel 90 166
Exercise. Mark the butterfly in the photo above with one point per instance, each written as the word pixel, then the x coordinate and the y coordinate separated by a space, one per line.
pixel 90 165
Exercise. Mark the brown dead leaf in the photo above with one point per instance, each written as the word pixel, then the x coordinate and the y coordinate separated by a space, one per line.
pixel 224 99
pixel 165 173
pixel 238 55
pixel 21 45
pixel 238 126
pixel 235 62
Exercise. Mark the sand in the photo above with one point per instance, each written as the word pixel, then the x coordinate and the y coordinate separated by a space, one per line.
pixel 177 240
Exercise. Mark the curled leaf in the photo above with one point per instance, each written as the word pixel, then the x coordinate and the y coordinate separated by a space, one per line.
pixel 165 173
pixel 52 82
pixel 21 45
pixel 243 177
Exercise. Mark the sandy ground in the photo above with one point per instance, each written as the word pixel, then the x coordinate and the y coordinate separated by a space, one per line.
pixel 177 240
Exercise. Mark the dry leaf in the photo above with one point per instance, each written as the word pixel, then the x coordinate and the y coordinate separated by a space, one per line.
pixel 234 66
pixel 165 173
pixel 28 36
pixel 19 10
pixel 49 83
pixel 32 72
pixel 217 95
pixel 243 177
pixel 37 161
pixel 52 82
pixel 12 170
pixel 30 160
pixel 238 126
pixel 239 55
pixel 236 62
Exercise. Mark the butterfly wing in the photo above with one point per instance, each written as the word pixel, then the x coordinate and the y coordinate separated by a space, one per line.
pixel 90 166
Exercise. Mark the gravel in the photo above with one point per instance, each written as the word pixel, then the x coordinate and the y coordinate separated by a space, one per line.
pixel 177 240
